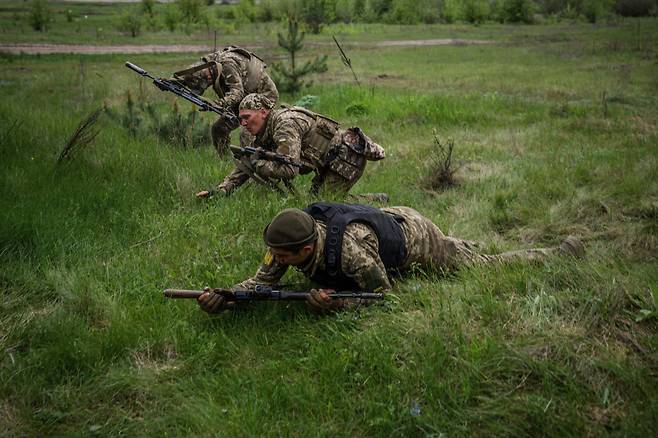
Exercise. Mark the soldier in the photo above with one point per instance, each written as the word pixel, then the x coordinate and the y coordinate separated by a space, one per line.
pixel 338 157
pixel 233 73
pixel 357 247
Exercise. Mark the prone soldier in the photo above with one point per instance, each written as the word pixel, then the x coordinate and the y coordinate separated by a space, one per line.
pixel 357 247
pixel 233 73
pixel 315 142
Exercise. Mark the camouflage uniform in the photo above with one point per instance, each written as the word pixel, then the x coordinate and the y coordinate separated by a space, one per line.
pixel 338 157
pixel 242 73
pixel 426 245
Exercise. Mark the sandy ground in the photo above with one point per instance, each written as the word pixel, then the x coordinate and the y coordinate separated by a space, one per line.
pixel 33 49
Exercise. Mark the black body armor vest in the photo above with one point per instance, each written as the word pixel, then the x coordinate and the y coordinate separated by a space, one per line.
pixel 392 248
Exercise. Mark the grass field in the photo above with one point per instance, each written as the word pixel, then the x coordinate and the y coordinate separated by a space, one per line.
pixel 556 128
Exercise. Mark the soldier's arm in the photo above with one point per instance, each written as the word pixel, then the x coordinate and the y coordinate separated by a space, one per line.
pixel 360 259
pixel 232 181
pixel 234 92
pixel 269 273
pixel 287 137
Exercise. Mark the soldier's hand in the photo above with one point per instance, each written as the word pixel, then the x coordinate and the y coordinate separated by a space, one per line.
pixel 320 301
pixel 212 302
pixel 208 194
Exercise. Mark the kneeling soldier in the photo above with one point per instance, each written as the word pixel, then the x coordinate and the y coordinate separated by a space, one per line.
pixel 357 247
pixel 338 157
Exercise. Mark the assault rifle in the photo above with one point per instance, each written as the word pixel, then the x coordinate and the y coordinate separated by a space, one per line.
pixel 185 93
pixel 262 154
pixel 266 293
pixel 243 161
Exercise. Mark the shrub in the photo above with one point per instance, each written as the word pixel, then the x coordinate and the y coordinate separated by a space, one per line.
pixel 171 18
pixel 634 8
pixel 475 11
pixel 451 11
pixel 517 11
pixel 130 23
pixel 190 10
pixel 595 9
pixel 147 6
pixel 442 169
pixel 39 15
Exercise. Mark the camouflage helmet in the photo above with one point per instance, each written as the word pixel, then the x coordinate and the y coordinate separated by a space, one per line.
pixel 195 78
pixel 256 101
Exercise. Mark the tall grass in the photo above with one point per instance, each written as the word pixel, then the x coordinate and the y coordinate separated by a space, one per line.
pixel 89 346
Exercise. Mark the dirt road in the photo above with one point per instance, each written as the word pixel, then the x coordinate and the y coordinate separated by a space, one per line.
pixel 89 49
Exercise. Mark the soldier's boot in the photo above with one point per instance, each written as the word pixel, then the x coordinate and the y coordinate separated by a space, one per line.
pixel 572 246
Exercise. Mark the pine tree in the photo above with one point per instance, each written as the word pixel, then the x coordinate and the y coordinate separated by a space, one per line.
pixel 289 79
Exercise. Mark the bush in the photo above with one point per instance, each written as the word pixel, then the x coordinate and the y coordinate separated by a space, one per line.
pixel 147 6
pixel 635 8
pixel 475 11
pixel 39 15
pixel 517 11
pixel 190 10
pixel 595 9
pixel 451 11
pixel 130 23
pixel 171 18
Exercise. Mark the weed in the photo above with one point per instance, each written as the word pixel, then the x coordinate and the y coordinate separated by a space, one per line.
pixel 442 167
pixel 82 137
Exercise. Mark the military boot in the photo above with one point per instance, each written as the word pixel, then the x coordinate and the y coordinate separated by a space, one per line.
pixel 573 246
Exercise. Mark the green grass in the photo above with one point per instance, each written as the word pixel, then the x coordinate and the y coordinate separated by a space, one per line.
pixel 89 346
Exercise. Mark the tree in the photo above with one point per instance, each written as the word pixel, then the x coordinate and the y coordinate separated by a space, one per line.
pixel 289 79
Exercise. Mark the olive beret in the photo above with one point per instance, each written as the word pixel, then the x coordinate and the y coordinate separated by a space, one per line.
pixel 290 228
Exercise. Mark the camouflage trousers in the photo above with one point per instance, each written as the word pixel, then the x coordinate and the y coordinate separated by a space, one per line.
pixel 428 247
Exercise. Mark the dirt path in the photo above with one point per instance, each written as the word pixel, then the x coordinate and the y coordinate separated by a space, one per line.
pixel 89 49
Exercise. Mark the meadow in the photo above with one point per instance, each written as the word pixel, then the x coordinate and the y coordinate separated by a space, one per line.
pixel 556 131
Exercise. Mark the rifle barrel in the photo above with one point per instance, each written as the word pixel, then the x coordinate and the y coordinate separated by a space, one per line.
pixel 182 293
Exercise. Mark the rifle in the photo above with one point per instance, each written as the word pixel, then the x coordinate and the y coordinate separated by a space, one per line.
pixel 243 162
pixel 266 293
pixel 262 154
pixel 185 93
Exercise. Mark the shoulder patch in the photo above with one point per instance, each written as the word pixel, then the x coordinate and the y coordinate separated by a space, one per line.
pixel 268 258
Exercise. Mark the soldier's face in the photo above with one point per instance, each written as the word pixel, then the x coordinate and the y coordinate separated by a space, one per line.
pixel 299 258
pixel 253 120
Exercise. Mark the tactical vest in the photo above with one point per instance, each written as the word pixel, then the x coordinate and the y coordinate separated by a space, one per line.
pixel 255 66
pixel 392 247
pixel 318 140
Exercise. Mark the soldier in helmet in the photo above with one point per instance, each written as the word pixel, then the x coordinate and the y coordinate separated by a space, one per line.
pixel 357 247
pixel 233 73
pixel 337 156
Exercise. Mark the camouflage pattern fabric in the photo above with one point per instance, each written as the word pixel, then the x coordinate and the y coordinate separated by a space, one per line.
pixel 230 88
pixel 320 145
pixel 427 247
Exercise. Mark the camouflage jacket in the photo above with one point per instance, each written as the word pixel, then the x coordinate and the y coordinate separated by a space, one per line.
pixel 305 137
pixel 359 261
pixel 242 73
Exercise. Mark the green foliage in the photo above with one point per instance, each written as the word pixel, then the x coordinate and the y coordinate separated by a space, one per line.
pixel 39 15
pixel 595 9
pixel 290 78
pixel 171 17
pixel 147 7
pixel 635 8
pixel 517 11
pixel 190 10
pixel 130 23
